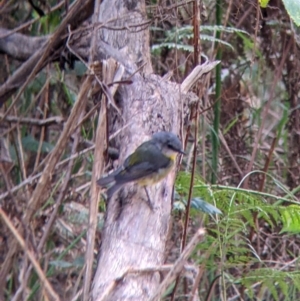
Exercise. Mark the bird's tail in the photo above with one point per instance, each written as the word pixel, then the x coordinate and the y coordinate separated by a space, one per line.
pixel 113 189
pixel 106 180
pixel 109 179
pixel 110 182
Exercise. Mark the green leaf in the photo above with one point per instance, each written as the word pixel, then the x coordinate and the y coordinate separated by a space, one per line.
pixel 61 264
pixel 222 28
pixel 175 38
pixel 31 144
pixel 293 9
pixel 179 206
pixel 199 204
pixel 173 45
pixel 291 219
pixel 263 3
pixel 78 262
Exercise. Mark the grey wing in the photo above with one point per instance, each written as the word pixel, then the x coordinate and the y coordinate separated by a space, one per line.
pixel 104 181
pixel 152 160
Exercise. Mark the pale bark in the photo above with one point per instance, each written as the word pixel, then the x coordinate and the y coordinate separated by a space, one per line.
pixel 133 236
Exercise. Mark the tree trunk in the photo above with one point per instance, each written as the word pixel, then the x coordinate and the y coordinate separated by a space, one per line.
pixel 133 235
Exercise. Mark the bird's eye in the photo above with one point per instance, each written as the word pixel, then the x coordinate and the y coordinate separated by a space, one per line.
pixel 170 146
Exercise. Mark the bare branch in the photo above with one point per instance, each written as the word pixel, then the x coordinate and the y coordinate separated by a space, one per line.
pixel 179 264
pixel 33 121
pixel 196 74
pixel 19 46
pixel 30 255
pixel 79 12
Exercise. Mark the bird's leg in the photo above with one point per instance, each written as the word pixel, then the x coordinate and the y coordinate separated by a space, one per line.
pixel 149 203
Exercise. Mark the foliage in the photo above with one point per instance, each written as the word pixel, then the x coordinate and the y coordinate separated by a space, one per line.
pixel 252 237
pixel 228 245
pixel 293 9
pixel 263 3
pixel 178 37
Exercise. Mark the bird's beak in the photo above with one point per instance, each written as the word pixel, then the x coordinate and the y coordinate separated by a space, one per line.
pixel 182 152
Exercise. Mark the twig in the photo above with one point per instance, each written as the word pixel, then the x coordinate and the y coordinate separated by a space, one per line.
pixel 39 192
pixel 223 141
pixel 92 67
pixel 33 121
pixel 197 72
pixel 178 265
pixel 30 22
pixel 97 170
pixel 13 127
pixel 57 206
pixel 60 146
pixel 61 194
pixel 43 130
pixel 39 59
pixel 31 179
pixel 266 110
pixel 30 255
pixel 201 270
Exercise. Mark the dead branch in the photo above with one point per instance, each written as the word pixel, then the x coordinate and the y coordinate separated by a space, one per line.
pixel 33 121
pixel 195 75
pixel 30 255
pixel 80 11
pixel 179 264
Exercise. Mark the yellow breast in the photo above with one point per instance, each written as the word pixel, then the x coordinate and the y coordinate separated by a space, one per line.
pixel 156 177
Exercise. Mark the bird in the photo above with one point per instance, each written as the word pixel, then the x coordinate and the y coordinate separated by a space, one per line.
pixel 147 165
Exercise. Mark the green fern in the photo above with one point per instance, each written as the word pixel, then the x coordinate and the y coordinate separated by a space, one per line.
pixel 277 282
pixel 174 38
pixel 227 241
pixel 290 218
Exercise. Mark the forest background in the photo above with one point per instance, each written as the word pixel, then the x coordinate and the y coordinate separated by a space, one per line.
pixel 241 133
